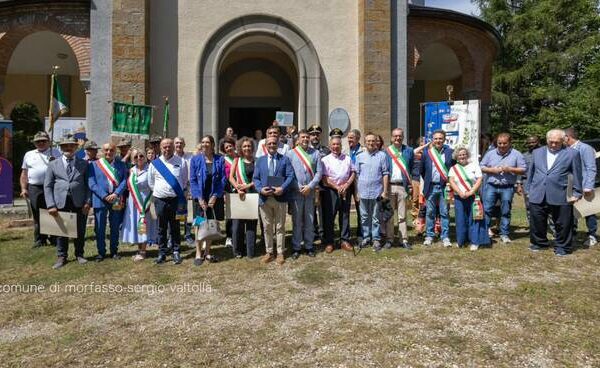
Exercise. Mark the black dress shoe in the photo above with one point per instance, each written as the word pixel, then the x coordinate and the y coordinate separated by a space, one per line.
pixel 311 253
pixel 296 255
pixel 177 258
pixel 198 261
pixel 99 258
pixel 406 245
pixel 160 259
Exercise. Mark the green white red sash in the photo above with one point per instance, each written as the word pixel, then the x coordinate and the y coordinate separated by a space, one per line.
pixel 240 172
pixel 436 158
pixel 467 184
pixel 398 160
pixel 305 159
pixel 109 171
pixel 138 200
pixel 228 159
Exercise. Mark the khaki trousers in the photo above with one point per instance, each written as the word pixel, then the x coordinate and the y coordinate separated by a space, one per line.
pixel 416 186
pixel 398 197
pixel 273 214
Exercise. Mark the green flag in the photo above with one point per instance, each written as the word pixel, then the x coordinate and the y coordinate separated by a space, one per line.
pixel 166 119
pixel 131 120
pixel 58 102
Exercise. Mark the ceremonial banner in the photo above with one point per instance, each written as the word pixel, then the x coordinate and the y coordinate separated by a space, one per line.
pixel 6 169
pixel 131 120
pixel 459 119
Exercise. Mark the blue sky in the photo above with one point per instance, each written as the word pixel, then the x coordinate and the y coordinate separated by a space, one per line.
pixel 463 6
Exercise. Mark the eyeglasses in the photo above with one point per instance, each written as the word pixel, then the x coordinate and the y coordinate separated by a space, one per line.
pixel 140 156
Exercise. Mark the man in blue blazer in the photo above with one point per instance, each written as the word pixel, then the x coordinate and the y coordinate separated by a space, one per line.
pixel 107 180
pixel 589 169
pixel 547 187
pixel 435 179
pixel 273 200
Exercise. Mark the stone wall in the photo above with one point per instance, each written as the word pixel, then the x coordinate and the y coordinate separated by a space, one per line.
pixel 129 50
pixel 375 66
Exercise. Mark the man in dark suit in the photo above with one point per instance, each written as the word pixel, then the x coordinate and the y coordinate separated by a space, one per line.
pixel 108 182
pixel 273 200
pixel 436 161
pixel 547 187
pixel 65 189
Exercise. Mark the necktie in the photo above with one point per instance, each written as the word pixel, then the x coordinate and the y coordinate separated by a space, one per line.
pixel 272 166
pixel 69 166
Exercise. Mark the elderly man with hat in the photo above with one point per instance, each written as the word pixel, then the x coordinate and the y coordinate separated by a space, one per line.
pixel 66 189
pixel 91 151
pixel 124 147
pixel 33 171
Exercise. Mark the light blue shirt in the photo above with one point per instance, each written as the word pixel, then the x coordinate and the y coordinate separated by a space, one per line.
pixel 512 158
pixel 588 162
pixel 371 168
pixel 435 174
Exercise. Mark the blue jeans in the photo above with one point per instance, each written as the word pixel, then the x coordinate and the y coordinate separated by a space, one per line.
pixel 436 199
pixel 469 230
pixel 115 218
pixel 369 219
pixel 490 196
pixel 591 223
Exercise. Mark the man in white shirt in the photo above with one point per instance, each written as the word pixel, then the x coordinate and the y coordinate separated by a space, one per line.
pixel 167 176
pixel 179 143
pixel 282 148
pixel 33 172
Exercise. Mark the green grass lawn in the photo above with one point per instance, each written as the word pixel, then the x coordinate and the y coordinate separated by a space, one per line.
pixel 502 306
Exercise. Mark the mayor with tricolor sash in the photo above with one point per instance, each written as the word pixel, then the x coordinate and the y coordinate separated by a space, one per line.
pixel 306 162
pixel 108 183
pixel 400 161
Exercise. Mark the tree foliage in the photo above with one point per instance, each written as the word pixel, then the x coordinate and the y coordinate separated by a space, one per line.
pixel 548 73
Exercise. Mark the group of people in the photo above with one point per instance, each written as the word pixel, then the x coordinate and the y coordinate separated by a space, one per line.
pixel 143 195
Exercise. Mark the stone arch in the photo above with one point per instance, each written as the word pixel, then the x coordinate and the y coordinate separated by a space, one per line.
pixel 70 21
pixel 304 56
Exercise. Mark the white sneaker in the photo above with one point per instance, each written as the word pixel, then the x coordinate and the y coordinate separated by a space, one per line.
pixel 474 247
pixel 446 242
pixel 505 239
pixel 228 242
pixel 591 241
pixel 427 242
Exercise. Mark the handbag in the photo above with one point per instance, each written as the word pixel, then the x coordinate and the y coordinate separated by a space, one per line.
pixel 209 230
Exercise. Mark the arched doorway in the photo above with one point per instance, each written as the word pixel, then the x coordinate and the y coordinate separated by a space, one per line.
pixel 254 65
pixel 257 78
pixel 28 73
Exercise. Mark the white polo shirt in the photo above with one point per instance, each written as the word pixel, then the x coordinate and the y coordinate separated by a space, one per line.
pixel 36 164
pixel 161 189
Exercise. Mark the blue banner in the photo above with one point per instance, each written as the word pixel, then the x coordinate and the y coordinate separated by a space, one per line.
pixel 6 169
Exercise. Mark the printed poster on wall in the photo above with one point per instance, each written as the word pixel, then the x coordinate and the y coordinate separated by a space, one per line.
pixel 459 119
pixel 6 169
pixel 65 126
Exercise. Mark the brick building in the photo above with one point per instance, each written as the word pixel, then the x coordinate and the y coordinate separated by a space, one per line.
pixel 233 62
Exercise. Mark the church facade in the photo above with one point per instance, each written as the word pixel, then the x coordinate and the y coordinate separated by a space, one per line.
pixel 234 63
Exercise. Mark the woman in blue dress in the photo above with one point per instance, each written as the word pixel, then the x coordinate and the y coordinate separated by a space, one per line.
pixel 138 229
pixel 465 179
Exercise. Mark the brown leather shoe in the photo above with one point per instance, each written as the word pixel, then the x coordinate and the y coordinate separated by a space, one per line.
pixel 280 259
pixel 267 258
pixel 346 246
pixel 329 248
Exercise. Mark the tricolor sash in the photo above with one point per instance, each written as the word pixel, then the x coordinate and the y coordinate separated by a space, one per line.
pixel 305 159
pixel 138 200
pixel 399 161
pixel 170 179
pixel 240 172
pixel 467 184
pixel 436 158
pixel 228 160
pixel 109 171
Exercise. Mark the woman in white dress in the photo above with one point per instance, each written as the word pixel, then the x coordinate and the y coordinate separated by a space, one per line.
pixel 138 226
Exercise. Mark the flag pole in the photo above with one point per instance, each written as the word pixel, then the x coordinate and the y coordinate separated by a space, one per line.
pixel 166 117
pixel 51 105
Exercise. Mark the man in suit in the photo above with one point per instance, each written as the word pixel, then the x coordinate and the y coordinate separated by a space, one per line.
pixel 588 161
pixel 273 200
pixel 66 189
pixel 436 161
pixel 306 162
pixel 547 187
pixel 108 182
